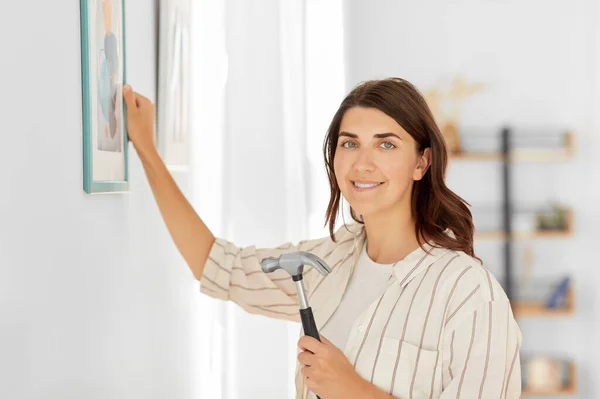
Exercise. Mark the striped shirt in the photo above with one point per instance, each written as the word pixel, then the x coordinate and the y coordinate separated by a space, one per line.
pixel 443 328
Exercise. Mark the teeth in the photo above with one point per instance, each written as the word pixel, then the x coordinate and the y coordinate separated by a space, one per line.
pixel 361 185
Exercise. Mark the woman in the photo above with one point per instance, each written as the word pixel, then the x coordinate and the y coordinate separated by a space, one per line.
pixel 408 310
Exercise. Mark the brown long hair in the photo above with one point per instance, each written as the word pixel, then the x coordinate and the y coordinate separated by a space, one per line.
pixel 435 208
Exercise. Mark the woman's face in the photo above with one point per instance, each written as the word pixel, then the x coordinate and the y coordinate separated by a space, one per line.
pixel 376 162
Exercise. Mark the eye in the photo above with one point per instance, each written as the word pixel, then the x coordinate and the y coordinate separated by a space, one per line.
pixel 348 144
pixel 388 145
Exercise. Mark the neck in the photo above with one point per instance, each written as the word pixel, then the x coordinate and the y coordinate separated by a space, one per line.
pixel 390 236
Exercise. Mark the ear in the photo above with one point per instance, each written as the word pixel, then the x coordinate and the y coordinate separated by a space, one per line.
pixel 423 163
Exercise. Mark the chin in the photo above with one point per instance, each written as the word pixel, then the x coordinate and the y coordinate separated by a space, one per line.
pixel 373 209
pixel 365 210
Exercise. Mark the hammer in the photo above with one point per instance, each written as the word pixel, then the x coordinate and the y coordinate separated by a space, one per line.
pixel 294 263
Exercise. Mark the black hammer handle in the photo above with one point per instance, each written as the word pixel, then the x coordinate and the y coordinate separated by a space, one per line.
pixel 309 325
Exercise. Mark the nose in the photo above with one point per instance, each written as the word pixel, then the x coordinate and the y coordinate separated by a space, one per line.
pixel 364 161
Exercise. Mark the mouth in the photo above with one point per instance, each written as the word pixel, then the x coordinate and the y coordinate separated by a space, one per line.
pixel 365 186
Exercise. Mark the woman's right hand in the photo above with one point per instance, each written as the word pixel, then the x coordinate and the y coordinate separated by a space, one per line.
pixel 140 121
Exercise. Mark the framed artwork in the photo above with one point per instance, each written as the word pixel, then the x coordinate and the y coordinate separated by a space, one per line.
pixel 173 118
pixel 105 166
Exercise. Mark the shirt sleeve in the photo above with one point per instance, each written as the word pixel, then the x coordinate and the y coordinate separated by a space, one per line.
pixel 481 354
pixel 234 273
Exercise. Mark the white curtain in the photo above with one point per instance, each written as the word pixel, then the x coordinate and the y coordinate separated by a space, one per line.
pixel 251 172
pixel 207 97
pixel 325 88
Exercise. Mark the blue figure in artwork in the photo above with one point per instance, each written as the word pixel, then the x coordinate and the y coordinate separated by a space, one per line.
pixel 108 74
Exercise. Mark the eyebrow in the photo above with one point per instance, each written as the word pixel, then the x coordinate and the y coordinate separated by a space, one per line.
pixel 377 136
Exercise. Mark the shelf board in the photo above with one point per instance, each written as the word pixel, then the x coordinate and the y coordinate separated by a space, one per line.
pixel 536 234
pixel 539 309
pixel 525 155
pixel 517 156
pixel 571 389
pixel 566 391
pixel 490 235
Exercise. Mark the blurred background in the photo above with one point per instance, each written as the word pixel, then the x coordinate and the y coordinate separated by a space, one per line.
pixel 95 300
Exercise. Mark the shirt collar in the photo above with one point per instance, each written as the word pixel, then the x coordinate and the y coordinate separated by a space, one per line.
pixel 416 263
pixel 413 264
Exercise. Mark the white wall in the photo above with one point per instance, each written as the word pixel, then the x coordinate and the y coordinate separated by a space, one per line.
pixel 539 60
pixel 95 302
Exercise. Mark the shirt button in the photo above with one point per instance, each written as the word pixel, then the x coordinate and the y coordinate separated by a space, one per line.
pixel 361 328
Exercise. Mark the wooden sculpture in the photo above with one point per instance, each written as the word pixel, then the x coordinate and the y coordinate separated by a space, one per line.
pixel 446 108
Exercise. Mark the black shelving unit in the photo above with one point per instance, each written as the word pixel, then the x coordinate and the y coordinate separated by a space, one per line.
pixel 507 147
pixel 507 212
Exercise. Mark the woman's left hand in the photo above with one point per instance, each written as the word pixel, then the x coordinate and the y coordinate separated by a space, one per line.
pixel 327 371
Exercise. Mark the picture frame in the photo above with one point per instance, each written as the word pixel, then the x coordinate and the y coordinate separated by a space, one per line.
pixel 103 60
pixel 173 117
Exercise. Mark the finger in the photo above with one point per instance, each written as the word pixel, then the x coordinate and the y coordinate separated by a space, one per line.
pixel 311 385
pixel 141 100
pixel 306 358
pixel 308 343
pixel 129 97
pixel 308 372
pixel 325 341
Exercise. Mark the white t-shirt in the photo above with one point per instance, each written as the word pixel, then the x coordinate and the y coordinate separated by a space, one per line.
pixel 368 283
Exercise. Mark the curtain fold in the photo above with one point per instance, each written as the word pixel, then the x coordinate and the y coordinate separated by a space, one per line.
pixel 249 173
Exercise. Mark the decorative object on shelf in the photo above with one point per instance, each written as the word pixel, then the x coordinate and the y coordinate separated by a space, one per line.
pixel 554 219
pixel 542 222
pixel 559 296
pixel 446 106
pixel 105 168
pixel 174 82
pixel 544 299
pixel 527 266
pixel 544 374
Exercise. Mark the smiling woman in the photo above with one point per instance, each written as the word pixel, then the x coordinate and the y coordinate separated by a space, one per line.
pixel 407 311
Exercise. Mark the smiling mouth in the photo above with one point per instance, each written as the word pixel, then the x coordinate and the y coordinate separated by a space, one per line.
pixel 366 185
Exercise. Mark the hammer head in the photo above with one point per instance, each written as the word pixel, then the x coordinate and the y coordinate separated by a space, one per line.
pixel 294 263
